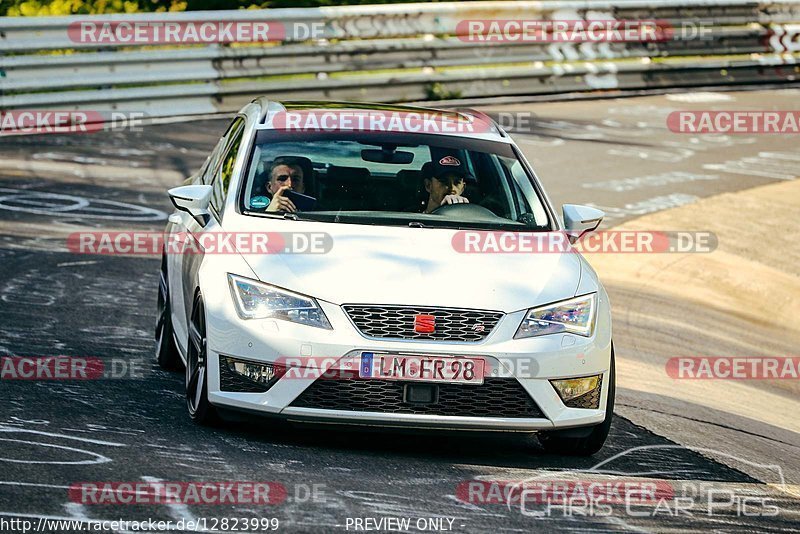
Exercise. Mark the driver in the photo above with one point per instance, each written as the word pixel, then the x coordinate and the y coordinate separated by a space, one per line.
pixel 285 173
pixel 445 183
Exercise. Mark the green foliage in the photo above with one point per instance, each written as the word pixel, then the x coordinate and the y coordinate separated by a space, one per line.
pixel 437 91
pixel 43 8
pixel 317 3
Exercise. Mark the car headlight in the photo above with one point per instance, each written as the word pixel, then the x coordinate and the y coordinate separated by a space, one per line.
pixel 256 300
pixel 573 316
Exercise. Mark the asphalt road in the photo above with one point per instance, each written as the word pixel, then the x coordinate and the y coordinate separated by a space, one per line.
pixel 616 154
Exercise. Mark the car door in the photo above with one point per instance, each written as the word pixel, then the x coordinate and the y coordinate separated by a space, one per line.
pixel 182 268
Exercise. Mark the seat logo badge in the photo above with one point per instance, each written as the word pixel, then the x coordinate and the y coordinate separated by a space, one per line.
pixel 478 327
pixel 424 324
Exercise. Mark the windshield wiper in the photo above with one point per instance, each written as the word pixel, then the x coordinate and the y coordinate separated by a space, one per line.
pixel 275 215
pixel 444 225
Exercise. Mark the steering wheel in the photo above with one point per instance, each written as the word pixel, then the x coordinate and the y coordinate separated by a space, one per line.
pixel 469 212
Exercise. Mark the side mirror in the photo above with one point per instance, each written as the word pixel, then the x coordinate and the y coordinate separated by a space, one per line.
pixel 580 219
pixel 193 199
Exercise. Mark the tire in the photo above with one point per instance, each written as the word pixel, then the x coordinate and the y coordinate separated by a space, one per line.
pixel 166 352
pixel 583 441
pixel 200 410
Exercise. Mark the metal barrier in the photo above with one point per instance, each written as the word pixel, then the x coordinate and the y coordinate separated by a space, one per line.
pixel 391 53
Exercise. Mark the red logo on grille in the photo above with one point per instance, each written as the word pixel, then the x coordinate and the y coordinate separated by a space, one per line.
pixel 424 324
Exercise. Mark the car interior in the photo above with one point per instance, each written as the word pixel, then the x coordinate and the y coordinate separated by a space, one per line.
pixel 388 187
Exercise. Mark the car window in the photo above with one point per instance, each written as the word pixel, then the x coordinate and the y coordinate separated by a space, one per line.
pixel 210 166
pixel 207 172
pixel 390 177
pixel 526 190
pixel 222 177
pixel 348 154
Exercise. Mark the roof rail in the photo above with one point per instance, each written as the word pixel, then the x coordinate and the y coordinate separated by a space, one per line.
pixel 264 109
pixel 481 114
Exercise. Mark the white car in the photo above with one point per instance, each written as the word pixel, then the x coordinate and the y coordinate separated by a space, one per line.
pixel 382 297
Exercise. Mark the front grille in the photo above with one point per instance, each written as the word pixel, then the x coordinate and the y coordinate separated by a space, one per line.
pixel 587 400
pixel 397 322
pixel 496 397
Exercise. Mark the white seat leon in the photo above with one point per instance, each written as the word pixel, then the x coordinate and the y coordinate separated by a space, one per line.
pixel 386 266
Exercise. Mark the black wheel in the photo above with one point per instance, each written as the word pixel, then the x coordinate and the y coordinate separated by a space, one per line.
pixel 583 441
pixel 166 351
pixel 200 410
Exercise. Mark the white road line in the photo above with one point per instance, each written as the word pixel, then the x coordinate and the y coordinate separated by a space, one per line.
pixel 56 486
pixel 31 484
pixel 622 524
pixel 176 511
pixel 643 207
pixel 777 165
pixel 650 180
pixel 99 458
pixel 73 263
pixel 20 430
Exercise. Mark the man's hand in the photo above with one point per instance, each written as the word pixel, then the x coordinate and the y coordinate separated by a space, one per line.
pixel 454 199
pixel 280 202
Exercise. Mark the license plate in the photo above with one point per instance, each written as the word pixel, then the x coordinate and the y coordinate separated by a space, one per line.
pixel 422 368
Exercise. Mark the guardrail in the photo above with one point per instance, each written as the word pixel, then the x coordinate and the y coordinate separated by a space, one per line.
pixel 386 53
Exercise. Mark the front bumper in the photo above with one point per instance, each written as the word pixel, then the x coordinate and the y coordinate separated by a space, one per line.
pixel 532 362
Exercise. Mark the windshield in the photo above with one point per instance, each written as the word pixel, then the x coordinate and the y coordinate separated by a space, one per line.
pixel 391 179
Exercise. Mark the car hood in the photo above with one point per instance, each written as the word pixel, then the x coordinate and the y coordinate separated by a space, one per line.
pixel 410 266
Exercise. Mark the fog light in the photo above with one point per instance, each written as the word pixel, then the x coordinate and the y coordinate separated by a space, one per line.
pixel 261 373
pixel 570 389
